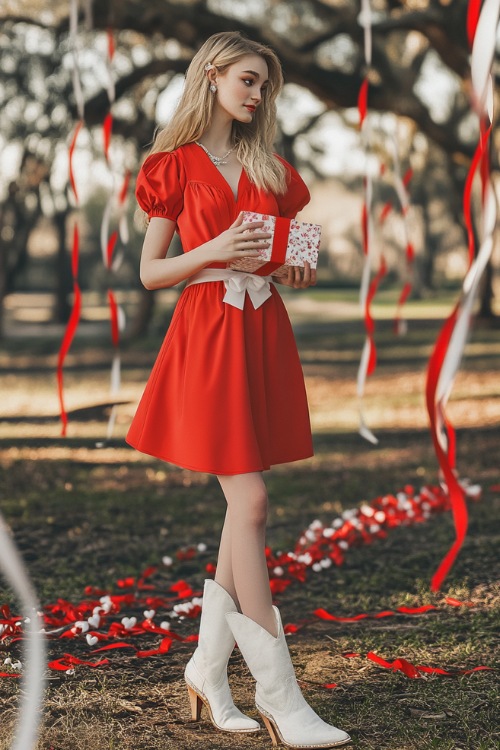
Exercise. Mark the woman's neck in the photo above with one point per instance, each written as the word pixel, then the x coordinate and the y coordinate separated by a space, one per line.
pixel 218 137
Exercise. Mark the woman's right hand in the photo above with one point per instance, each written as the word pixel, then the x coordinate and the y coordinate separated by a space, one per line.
pixel 239 241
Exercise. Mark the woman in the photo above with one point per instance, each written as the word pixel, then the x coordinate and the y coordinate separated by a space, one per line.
pixel 226 394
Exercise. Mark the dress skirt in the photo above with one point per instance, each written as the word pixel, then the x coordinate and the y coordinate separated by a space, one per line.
pixel 226 394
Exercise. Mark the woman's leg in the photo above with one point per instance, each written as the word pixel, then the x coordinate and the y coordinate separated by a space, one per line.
pixel 247 507
pixel 224 572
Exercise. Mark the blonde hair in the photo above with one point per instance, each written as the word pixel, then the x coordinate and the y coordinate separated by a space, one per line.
pixel 253 141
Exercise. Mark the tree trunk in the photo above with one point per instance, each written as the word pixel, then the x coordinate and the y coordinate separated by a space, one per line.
pixel 486 294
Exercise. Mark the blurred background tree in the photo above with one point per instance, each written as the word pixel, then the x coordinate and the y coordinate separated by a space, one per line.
pixel 419 92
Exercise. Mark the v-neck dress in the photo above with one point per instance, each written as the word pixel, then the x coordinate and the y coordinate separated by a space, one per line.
pixel 226 394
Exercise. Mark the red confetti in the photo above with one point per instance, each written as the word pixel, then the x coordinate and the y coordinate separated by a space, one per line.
pixel 457 603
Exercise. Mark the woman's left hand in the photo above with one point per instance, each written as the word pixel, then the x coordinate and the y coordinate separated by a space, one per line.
pixel 299 278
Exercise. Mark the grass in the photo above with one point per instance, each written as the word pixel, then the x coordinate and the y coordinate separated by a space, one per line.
pixel 83 515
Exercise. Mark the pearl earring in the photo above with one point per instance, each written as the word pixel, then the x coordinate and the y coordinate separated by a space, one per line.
pixel 213 88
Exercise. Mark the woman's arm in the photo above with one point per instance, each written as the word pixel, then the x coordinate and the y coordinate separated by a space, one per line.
pixel 157 271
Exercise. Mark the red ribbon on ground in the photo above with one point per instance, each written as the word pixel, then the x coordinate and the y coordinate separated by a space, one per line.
pixel 67 661
pixel 414 671
pixel 324 615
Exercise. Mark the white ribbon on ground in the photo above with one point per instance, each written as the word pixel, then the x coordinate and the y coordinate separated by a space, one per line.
pixel 238 284
pixel 34 661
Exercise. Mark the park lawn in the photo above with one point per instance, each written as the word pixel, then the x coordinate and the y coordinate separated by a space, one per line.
pixel 86 515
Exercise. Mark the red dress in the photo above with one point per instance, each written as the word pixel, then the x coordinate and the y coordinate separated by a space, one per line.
pixel 226 394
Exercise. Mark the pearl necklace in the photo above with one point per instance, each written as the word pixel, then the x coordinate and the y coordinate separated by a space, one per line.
pixel 217 160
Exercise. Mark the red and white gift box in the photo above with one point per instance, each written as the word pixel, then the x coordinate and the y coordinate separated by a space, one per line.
pixel 292 244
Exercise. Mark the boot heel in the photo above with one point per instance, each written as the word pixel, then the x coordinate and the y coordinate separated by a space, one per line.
pixel 270 728
pixel 195 703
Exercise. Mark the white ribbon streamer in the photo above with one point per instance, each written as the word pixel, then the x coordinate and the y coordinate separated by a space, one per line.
pixel 73 37
pixel 482 59
pixel 238 284
pixel 483 50
pixel 34 661
pixel 365 20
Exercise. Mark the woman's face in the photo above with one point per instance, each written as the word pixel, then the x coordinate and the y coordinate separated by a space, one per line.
pixel 241 86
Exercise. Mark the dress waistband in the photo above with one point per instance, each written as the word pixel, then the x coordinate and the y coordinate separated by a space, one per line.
pixel 237 284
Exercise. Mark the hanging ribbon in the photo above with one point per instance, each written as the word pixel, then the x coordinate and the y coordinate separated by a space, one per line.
pixel 446 357
pixel 368 288
pixel 33 680
pixel 71 327
pixel 74 318
pixel 109 240
pixel 401 185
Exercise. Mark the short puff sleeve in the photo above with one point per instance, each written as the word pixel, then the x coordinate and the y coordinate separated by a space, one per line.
pixel 297 194
pixel 159 187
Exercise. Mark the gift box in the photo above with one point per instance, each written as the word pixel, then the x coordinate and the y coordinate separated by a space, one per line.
pixel 292 244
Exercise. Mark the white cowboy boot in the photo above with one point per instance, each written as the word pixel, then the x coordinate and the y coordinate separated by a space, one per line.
pixel 278 698
pixel 206 671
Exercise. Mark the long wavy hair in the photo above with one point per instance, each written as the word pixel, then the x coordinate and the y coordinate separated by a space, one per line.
pixel 253 141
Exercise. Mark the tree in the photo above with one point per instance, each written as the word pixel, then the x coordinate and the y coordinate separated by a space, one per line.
pixel 318 41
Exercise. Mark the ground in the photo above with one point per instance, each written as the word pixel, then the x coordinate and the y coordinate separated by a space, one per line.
pixel 89 512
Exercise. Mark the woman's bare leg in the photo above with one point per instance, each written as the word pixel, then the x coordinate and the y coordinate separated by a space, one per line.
pixel 247 506
pixel 224 572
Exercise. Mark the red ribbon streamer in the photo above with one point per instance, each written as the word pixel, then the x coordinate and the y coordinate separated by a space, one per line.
pixel 369 322
pixel 363 101
pixel 70 331
pixel 111 248
pixel 473 12
pixel 478 159
pixel 280 242
pixel 111 44
pixel 124 189
pixel 446 458
pixel 113 308
pixel 71 152
pixel 107 129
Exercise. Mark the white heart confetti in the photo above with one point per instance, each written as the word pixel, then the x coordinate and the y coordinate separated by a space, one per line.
pixel 167 560
pixel 149 614
pixel 129 622
pixel 94 621
pixel 165 625
pixel 92 639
